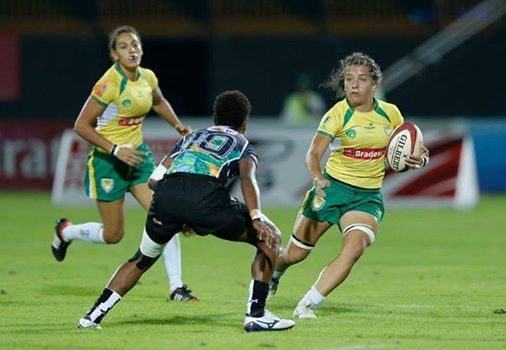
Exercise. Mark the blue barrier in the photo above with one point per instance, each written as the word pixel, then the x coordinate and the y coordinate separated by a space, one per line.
pixel 489 138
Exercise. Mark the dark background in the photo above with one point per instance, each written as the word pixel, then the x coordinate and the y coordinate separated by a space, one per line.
pixel 258 50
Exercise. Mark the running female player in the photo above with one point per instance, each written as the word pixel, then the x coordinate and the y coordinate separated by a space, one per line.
pixel 347 193
pixel 119 162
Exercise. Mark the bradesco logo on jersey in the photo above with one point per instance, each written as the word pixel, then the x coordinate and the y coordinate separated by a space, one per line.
pixel 364 153
pixel 124 121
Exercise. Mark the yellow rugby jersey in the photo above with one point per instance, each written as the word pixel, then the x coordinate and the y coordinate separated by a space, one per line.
pixel 362 137
pixel 126 104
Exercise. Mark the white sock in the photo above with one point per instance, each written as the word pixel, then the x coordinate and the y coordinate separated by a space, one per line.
pixel 105 303
pixel 172 261
pixel 314 297
pixel 88 232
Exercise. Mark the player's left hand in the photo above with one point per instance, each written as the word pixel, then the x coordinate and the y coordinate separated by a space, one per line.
pixel 416 162
pixel 183 130
pixel 266 233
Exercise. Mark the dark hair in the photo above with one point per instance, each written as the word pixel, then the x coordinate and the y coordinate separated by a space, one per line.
pixel 231 108
pixel 113 36
pixel 336 78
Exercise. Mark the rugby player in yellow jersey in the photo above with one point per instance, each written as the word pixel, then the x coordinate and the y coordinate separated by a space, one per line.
pixel 111 120
pixel 347 192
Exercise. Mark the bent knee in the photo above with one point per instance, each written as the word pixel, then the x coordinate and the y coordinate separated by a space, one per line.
pixel 113 237
pixel 354 250
pixel 294 255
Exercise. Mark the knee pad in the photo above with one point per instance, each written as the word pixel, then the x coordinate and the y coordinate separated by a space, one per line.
pixel 145 262
pixel 301 244
pixel 148 252
pixel 363 228
pixel 149 247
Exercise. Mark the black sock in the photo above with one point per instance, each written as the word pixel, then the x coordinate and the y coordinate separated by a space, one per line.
pixel 104 303
pixel 257 298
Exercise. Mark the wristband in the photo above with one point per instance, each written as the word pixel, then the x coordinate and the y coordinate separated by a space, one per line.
pixel 256 214
pixel 116 150
pixel 159 172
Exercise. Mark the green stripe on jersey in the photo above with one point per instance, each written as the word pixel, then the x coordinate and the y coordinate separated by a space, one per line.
pixel 103 104
pixel 326 134
pixel 347 116
pixel 380 110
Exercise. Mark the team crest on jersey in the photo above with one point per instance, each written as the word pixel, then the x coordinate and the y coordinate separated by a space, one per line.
pixel 107 185
pixel 351 133
pixel 388 130
pixel 126 103
pixel 318 203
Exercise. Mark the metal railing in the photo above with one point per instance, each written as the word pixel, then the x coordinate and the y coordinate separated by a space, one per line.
pixel 433 50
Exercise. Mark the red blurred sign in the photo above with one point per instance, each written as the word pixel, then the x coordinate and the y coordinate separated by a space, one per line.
pixel 28 153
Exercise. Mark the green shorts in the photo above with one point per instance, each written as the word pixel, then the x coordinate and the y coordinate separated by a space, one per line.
pixel 339 199
pixel 107 178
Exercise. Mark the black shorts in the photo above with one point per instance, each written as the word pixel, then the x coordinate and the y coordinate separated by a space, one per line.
pixel 197 201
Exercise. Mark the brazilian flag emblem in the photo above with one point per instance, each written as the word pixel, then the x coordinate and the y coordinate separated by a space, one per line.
pixel 351 133
pixel 318 203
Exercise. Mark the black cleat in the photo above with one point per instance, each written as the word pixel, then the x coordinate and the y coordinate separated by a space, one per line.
pixel 59 246
pixel 183 294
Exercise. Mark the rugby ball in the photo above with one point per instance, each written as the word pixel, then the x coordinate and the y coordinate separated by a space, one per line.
pixel 406 139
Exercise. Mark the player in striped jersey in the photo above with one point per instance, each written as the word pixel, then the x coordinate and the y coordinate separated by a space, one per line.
pixel 119 162
pixel 192 193
pixel 347 192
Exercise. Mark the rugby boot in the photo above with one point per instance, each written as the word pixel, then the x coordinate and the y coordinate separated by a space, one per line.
pixel 268 322
pixel 183 294
pixel 85 322
pixel 304 310
pixel 59 245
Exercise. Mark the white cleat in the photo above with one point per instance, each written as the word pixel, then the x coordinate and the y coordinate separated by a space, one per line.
pixel 86 323
pixel 304 310
pixel 268 322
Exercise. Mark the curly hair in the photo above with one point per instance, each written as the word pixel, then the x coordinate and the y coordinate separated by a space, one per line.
pixel 336 78
pixel 113 36
pixel 231 108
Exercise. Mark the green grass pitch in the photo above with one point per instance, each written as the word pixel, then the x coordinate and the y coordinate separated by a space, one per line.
pixel 432 280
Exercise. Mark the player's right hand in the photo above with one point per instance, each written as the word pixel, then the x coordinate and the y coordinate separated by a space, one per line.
pixel 320 184
pixel 129 155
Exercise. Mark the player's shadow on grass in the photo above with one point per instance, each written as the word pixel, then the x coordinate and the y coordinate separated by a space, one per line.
pixel 216 320
pixel 285 305
pixel 338 309
pixel 78 291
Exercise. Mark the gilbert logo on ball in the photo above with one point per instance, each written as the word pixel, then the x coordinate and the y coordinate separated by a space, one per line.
pixel 407 139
